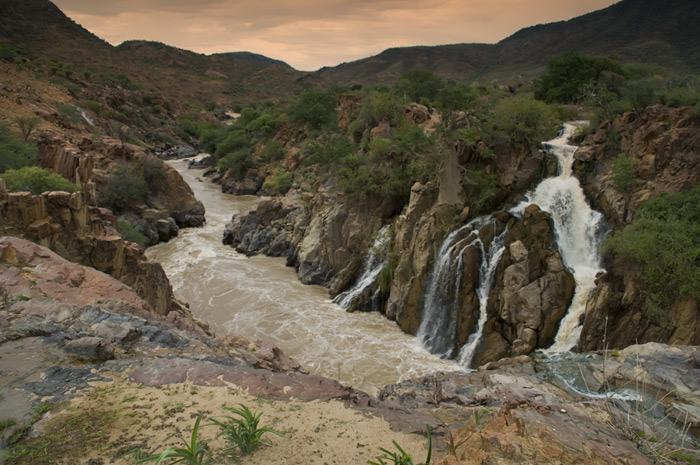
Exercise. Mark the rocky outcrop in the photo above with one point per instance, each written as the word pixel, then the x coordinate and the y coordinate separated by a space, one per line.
pixel 85 234
pixel 664 147
pixel 566 410
pixel 531 293
pixel 170 204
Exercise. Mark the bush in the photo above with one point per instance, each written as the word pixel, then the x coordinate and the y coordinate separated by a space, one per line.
pixel 329 149
pixel 272 151
pixel 36 181
pixel 15 153
pixel 569 74
pixel 623 173
pixel 131 234
pixel 124 187
pixel 662 246
pixel 481 188
pixel 239 162
pixel 417 84
pixel 280 182
pixel 315 109
pixel 524 120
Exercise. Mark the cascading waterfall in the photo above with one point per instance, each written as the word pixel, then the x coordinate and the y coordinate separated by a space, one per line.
pixel 373 265
pixel 578 231
pixel 440 306
pixel 487 271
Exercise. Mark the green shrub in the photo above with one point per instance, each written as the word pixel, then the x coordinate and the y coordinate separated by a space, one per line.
pixel 125 186
pixel 69 112
pixel 329 149
pixel 239 162
pixel 15 153
pixel 36 180
pixel 481 189
pixel 525 120
pixel 272 151
pixel 417 84
pixel 662 246
pixel 315 109
pixel 131 234
pixel 623 173
pixel 569 75
pixel 280 182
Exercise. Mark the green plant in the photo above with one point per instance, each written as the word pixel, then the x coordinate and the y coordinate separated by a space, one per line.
pixel 401 457
pixel 36 180
pixel 280 182
pixel 193 453
pixel 125 186
pixel 131 234
pixel 27 124
pixel 243 433
pixel 623 173
pixel 15 153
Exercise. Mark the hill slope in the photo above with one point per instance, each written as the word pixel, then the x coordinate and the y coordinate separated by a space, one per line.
pixel 41 28
pixel 649 31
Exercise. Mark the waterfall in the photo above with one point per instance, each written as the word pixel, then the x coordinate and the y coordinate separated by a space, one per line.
pixel 373 265
pixel 487 271
pixel 578 230
pixel 440 306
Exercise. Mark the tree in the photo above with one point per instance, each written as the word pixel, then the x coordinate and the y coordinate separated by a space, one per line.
pixel 314 108
pixel 15 153
pixel 570 73
pixel 27 124
pixel 36 180
pixel 417 84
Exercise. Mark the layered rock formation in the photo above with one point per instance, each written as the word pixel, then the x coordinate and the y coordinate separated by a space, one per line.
pixel 83 233
pixel 170 204
pixel 664 147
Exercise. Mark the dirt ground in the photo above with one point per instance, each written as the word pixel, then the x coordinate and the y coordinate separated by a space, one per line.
pixel 131 421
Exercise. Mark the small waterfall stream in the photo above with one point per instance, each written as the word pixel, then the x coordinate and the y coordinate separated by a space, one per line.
pixel 373 265
pixel 440 306
pixel 578 229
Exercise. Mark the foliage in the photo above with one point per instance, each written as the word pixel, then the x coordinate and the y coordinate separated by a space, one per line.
pixel 272 151
pixel 124 187
pixel 27 124
pixel 315 109
pixel 401 457
pixel 131 234
pixel 15 153
pixel 238 162
pixel 569 74
pixel 36 180
pixel 329 149
pixel 662 246
pixel 280 182
pixel 623 173
pixel 417 84
pixel 243 433
pixel 481 188
pixel 524 120
pixel 193 453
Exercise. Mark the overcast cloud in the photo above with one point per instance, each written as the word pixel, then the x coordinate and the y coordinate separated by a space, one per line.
pixel 310 34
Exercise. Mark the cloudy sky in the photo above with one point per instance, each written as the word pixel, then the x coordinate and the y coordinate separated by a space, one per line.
pixel 309 34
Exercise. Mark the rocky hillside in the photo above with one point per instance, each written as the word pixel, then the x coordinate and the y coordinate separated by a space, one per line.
pixel 631 30
pixel 40 30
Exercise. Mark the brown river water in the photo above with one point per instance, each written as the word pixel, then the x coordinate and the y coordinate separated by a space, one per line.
pixel 261 298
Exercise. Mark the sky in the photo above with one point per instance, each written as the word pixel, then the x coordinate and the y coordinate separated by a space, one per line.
pixel 310 34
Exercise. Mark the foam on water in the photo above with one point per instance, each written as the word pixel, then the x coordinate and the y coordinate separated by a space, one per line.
pixel 260 298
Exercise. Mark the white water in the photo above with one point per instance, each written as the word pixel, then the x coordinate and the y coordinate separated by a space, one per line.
pixel 440 306
pixel 261 298
pixel 487 270
pixel 373 265
pixel 578 231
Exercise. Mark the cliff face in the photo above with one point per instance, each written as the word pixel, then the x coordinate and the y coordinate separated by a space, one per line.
pixel 664 147
pixel 170 203
pixel 83 233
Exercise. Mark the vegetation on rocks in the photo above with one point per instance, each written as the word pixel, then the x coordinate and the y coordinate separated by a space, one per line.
pixel 36 180
pixel 662 246
pixel 15 153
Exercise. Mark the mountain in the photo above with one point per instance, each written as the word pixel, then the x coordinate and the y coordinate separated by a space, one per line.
pixel 46 32
pixel 649 31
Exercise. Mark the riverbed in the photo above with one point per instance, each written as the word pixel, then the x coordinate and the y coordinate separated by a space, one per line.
pixel 261 298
